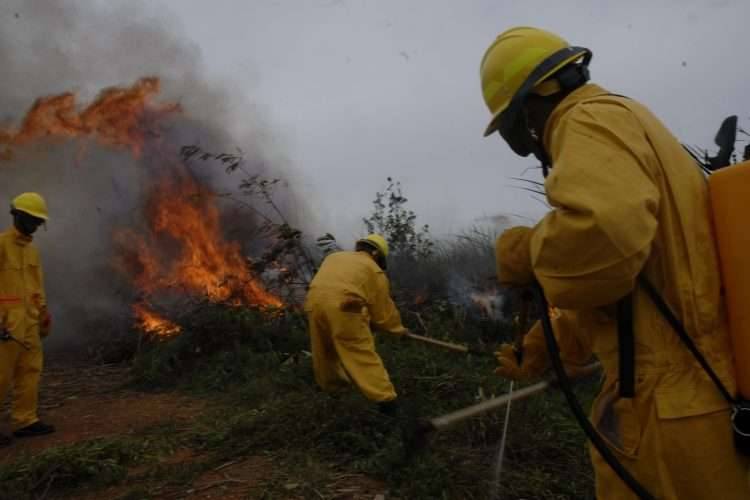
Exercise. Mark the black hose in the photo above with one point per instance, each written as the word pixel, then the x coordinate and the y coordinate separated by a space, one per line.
pixel 575 405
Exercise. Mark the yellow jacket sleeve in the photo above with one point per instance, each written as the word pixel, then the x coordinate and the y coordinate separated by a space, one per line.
pixel 3 311
pixel 43 312
pixel 512 258
pixel 42 292
pixel 588 251
pixel 572 338
pixel 384 315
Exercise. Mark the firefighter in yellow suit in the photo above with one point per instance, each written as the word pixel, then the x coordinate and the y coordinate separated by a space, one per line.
pixel 626 200
pixel 348 298
pixel 24 319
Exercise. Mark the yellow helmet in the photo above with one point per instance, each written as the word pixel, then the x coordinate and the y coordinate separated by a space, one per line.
pixel 517 63
pixel 32 204
pixel 377 241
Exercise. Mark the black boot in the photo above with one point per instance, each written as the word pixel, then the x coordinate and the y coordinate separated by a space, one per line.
pixel 38 428
pixel 390 408
pixel 4 441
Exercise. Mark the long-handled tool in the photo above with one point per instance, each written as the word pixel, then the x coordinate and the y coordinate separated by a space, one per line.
pixel 497 470
pixel 437 424
pixel 523 320
pixel 448 345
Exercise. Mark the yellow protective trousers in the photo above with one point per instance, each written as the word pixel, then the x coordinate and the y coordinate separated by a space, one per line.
pixel 20 369
pixel 344 351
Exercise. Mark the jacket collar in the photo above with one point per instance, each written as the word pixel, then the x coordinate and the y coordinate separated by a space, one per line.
pixel 580 94
pixel 20 238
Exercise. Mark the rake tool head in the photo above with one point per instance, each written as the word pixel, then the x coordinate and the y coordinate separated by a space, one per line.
pixel 416 434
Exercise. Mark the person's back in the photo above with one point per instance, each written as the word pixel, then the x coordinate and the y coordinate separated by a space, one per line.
pixel 345 274
pixel 656 210
pixel 635 203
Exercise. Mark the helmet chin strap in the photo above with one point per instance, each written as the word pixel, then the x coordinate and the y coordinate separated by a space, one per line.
pixel 538 151
pixel 524 140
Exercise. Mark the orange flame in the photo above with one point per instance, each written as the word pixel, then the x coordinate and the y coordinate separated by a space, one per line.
pixel 114 118
pixel 181 214
pixel 152 323
pixel 206 264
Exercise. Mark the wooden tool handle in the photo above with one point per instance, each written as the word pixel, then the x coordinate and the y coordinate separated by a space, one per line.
pixel 441 343
pixel 457 416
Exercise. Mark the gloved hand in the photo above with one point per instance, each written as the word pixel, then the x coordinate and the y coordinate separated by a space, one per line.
pixel 513 257
pixel 575 349
pixel 398 334
pixel 534 360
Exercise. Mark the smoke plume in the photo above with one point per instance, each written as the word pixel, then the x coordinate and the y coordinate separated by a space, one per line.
pixel 48 48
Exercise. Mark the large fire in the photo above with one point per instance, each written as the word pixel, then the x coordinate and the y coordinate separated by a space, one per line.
pixel 204 264
pixel 183 249
pixel 114 118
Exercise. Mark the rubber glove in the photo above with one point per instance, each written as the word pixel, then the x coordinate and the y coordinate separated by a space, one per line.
pixel 534 361
pixel 573 339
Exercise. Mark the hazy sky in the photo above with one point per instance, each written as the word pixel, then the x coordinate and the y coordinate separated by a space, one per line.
pixel 358 90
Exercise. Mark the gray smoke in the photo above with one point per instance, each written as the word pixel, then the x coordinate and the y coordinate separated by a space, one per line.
pixel 49 48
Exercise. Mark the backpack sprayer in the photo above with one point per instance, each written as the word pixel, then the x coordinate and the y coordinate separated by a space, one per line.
pixel 729 188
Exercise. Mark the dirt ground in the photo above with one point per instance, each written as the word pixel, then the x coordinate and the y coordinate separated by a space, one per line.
pixel 94 402
pixel 87 403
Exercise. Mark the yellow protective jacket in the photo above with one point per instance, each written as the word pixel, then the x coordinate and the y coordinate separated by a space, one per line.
pixel 345 276
pixel 22 297
pixel 348 298
pixel 628 199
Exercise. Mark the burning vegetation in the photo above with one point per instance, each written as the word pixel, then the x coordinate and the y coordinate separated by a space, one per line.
pixel 184 251
pixel 118 117
pixel 179 247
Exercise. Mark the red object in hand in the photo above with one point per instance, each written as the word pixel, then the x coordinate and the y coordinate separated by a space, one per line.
pixel 44 324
